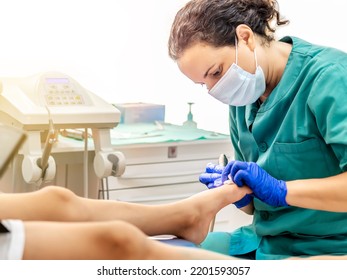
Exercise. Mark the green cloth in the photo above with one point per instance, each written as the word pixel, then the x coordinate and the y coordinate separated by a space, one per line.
pixel 299 132
pixel 154 133
pixel 148 133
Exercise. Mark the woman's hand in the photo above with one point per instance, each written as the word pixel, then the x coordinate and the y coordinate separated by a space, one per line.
pixel 265 187
pixel 212 178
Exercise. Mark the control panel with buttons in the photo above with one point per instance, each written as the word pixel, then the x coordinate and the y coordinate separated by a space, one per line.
pixel 61 92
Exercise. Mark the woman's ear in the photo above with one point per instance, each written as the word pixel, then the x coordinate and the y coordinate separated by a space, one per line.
pixel 245 34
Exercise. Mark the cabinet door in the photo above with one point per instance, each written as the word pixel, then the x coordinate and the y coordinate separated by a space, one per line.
pixel 157 174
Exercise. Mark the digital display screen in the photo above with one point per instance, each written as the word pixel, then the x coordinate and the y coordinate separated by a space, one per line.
pixel 57 80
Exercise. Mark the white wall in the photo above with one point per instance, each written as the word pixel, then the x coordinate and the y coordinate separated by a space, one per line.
pixel 118 49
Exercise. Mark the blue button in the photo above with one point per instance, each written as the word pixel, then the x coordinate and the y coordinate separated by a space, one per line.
pixel 263 147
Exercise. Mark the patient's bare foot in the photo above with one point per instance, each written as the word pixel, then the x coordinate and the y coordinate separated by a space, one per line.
pixel 202 208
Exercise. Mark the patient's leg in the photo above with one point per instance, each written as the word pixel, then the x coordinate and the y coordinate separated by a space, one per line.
pixel 100 240
pixel 188 218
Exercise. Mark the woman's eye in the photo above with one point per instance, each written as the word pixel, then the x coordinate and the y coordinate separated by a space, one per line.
pixel 217 72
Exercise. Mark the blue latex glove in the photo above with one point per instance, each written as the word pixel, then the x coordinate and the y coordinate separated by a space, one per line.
pixel 265 187
pixel 212 178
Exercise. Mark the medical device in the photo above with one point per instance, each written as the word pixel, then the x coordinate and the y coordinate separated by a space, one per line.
pixel 10 139
pixel 45 103
pixel 222 161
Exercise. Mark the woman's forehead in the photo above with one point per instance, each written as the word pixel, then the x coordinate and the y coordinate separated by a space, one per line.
pixel 202 56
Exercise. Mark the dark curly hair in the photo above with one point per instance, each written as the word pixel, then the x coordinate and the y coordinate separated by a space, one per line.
pixel 214 22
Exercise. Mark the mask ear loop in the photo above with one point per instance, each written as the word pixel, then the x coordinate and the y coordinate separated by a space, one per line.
pixel 236 51
pixel 237 55
pixel 256 60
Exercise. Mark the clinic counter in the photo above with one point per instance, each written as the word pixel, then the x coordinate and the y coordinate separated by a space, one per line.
pixel 148 142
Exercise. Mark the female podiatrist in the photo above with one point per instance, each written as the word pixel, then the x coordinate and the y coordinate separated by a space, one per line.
pixel 288 125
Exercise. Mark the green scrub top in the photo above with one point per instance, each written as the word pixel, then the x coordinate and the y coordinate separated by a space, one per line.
pixel 299 132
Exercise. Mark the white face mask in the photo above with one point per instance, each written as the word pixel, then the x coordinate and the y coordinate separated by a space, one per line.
pixel 238 87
